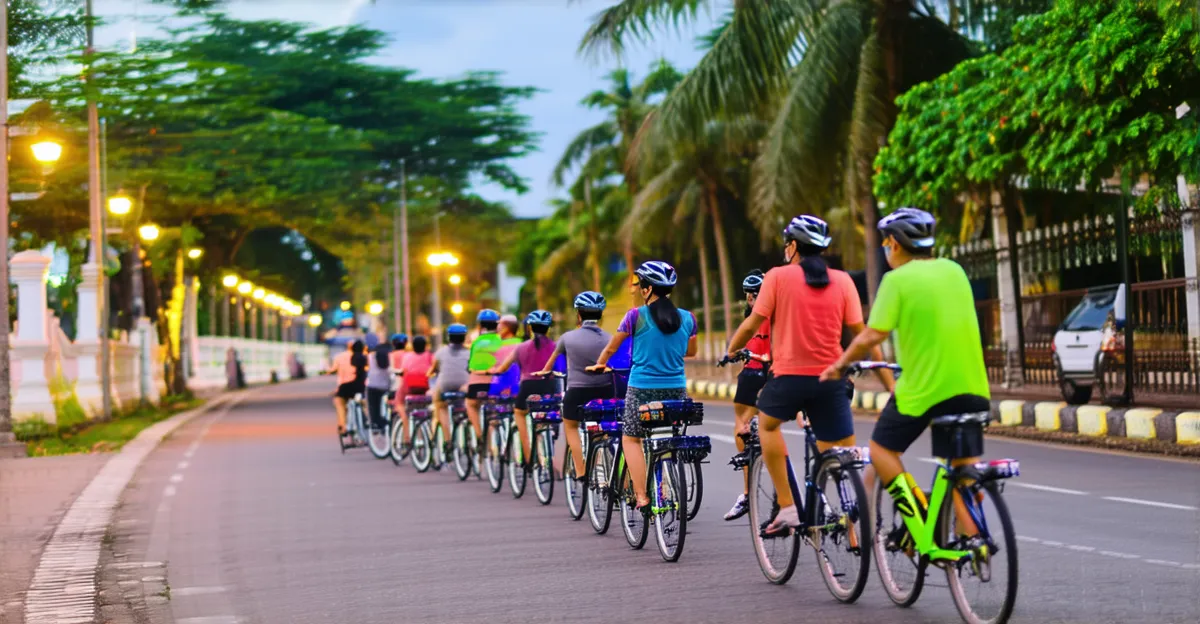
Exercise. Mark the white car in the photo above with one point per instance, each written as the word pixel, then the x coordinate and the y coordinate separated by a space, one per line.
pixel 1088 329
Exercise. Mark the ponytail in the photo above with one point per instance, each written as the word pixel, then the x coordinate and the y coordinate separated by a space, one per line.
pixel 816 272
pixel 539 334
pixel 663 311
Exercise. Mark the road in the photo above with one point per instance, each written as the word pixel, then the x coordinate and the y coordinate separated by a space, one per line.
pixel 259 518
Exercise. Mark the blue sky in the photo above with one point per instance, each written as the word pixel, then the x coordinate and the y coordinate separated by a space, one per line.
pixel 533 42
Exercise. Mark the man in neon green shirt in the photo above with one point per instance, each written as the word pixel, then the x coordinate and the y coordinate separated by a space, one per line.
pixel 483 357
pixel 928 302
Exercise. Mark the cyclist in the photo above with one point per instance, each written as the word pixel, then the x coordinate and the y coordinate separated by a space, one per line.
pixel 582 346
pixel 928 302
pixel 663 336
pixel 807 304
pixel 379 383
pixel 350 366
pixel 749 382
pixel 412 378
pixel 450 368
pixel 531 356
pixel 481 357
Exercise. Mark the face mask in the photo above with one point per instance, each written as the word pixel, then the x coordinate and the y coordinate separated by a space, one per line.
pixel 887 251
pixel 787 259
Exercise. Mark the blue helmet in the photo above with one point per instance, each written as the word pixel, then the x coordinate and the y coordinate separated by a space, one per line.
pixel 539 317
pixel 399 338
pixel 457 329
pixel 808 230
pixel 488 315
pixel 753 282
pixel 657 273
pixel 590 300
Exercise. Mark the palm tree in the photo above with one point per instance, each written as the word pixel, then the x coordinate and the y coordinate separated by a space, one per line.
pixel 825 72
pixel 610 140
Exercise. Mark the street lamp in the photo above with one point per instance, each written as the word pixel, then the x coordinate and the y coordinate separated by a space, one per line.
pixel 437 260
pixel 230 281
pixel 120 205
pixel 455 279
pixel 149 232
pixel 315 320
pixel 456 309
pixel 245 288
pixel 375 308
pixel 345 306
pixel 47 152
pixel 195 252
pixel 259 293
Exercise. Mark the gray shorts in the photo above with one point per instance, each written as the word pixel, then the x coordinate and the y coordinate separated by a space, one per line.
pixel 637 397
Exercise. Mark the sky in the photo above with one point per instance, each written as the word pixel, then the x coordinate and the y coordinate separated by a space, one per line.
pixel 533 42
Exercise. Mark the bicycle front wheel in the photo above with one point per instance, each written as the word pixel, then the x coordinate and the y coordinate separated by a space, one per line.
pixel 599 503
pixel 901 569
pixel 842 540
pixel 462 452
pixel 543 467
pixel 985 588
pixel 379 441
pixel 494 460
pixel 517 471
pixel 776 555
pixel 633 522
pixel 695 488
pixel 437 441
pixel 422 449
pixel 670 507
pixel 399 450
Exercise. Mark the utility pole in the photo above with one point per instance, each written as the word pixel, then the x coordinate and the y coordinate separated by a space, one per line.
pixel 408 320
pixel 95 216
pixel 8 443
pixel 397 326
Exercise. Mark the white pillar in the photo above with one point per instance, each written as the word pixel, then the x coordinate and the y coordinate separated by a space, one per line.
pixel 1009 332
pixel 32 340
pixel 1189 199
pixel 88 387
pixel 147 341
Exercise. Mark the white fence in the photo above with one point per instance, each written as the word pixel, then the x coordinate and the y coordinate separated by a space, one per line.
pixel 259 359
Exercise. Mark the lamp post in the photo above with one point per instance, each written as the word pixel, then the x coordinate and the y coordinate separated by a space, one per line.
pixel 437 260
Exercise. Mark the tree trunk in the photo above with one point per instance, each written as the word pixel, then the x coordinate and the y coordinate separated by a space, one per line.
pixel 705 293
pixel 593 252
pixel 723 268
pixel 175 383
pixel 627 241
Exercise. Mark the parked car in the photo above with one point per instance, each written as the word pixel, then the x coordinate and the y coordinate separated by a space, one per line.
pixel 1087 330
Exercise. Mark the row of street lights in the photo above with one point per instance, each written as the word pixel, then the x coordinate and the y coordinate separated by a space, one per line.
pixel 254 298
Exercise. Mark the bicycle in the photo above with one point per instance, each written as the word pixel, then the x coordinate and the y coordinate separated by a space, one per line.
pixel 496 414
pixel 426 440
pixel 463 442
pixel 353 436
pixel 908 544
pixel 602 439
pixel 379 438
pixel 545 415
pixel 830 529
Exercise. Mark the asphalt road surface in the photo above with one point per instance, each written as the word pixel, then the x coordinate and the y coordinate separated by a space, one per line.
pixel 259 518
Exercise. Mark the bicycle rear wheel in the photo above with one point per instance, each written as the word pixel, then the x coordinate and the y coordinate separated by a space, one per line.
pixel 379 439
pixel 517 471
pixel 843 538
pixel 437 442
pixel 985 588
pixel 575 491
pixel 599 503
pixel 399 450
pixel 494 461
pixel 422 449
pixel 462 451
pixel 670 507
pixel 776 555
pixel 695 488
pixel 900 568
pixel 543 467
pixel 633 522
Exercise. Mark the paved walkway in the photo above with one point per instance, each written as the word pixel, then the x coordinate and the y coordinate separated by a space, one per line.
pixel 35 492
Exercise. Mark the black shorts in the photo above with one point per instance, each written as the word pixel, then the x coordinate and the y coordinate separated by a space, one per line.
pixel 896 432
pixel 749 382
pixel 548 385
pixel 825 403
pixel 473 390
pixel 348 390
pixel 575 398
pixel 416 390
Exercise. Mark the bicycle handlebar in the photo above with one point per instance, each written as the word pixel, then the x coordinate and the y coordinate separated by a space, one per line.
pixel 859 368
pixel 743 355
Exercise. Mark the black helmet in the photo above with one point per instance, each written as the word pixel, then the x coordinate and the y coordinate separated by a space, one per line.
pixel 753 282
pixel 808 230
pixel 911 227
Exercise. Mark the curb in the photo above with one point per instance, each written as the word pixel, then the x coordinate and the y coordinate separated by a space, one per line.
pixel 1096 421
pixel 64 587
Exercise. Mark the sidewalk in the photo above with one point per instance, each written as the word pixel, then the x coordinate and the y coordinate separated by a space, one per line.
pixel 35 493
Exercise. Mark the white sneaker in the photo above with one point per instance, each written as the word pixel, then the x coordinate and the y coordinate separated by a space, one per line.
pixel 739 509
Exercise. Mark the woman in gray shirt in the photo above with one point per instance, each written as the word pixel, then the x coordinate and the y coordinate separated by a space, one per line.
pixel 582 346
pixel 379 383
pixel 450 367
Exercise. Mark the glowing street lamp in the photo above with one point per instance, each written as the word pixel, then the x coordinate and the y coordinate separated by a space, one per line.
pixel 120 205
pixel 149 232
pixel 375 308
pixel 315 320
pixel 47 152
pixel 230 281
pixel 259 294
pixel 456 309
pixel 195 252
pixel 345 306
pixel 245 288
pixel 444 258
pixel 455 279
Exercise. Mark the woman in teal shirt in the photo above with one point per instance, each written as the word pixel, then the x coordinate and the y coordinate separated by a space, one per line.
pixel 663 336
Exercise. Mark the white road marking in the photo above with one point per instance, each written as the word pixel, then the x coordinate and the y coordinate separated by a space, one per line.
pixel 1172 564
pixel 1118 555
pixel 1107 553
pixel 197 591
pixel 1045 488
pixel 176 478
pixel 721 438
pixel 183 465
pixel 169 490
pixel 1148 503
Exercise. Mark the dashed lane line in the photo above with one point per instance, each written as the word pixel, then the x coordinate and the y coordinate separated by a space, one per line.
pixel 1107 553
pixel 1148 503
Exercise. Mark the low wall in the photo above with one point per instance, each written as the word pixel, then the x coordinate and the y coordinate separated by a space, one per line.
pixel 258 357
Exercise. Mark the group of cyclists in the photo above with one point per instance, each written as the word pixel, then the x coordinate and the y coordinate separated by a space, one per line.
pixel 791 339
